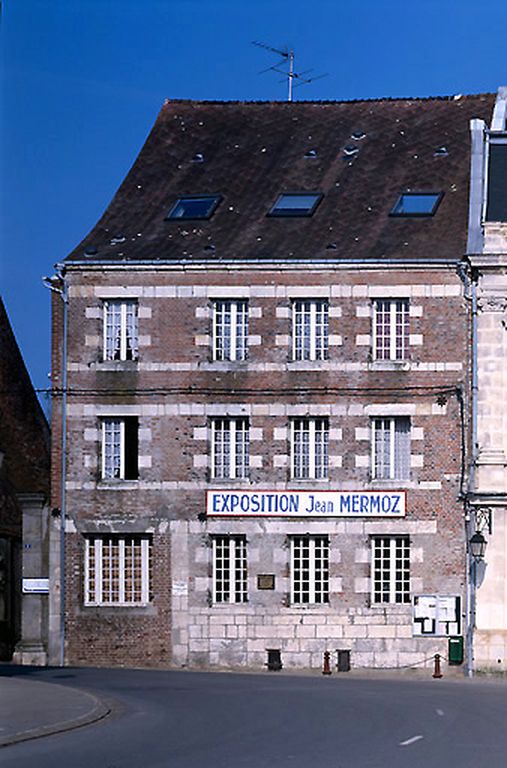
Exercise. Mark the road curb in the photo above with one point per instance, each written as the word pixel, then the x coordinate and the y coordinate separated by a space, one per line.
pixel 98 711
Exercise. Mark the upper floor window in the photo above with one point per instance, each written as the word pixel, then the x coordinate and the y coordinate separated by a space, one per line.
pixel 120 448
pixel 390 329
pixel 391 448
pixel 295 204
pixel 229 449
pixel 417 204
pixel 309 570
pixel 194 207
pixel 230 330
pixel 390 573
pixel 229 569
pixel 309 444
pixel 117 570
pixel 496 204
pixel 310 329
pixel 120 330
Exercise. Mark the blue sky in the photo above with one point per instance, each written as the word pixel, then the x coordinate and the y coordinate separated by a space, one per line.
pixel 83 80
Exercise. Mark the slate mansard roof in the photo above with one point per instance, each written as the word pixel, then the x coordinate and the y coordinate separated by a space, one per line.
pixel 250 152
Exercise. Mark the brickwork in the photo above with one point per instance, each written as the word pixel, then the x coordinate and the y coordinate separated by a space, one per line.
pixel 120 636
pixel 174 389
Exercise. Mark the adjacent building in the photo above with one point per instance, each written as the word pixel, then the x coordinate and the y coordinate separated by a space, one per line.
pixel 24 498
pixel 487 253
pixel 267 351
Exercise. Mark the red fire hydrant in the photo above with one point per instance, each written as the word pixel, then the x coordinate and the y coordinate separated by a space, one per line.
pixel 326 669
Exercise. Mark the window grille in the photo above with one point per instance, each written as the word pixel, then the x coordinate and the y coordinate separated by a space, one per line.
pixel 230 330
pixel 390 569
pixel 310 449
pixel 309 569
pixel 121 340
pixel 391 448
pixel 390 329
pixel 310 330
pixel 117 570
pixel 230 449
pixel 229 569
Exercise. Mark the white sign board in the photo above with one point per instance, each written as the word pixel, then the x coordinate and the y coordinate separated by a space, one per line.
pixel 438 615
pixel 237 503
pixel 35 586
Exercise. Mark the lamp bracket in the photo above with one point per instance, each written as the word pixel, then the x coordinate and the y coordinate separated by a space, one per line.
pixel 483 519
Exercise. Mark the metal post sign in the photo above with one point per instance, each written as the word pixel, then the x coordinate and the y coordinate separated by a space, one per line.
pixel 237 503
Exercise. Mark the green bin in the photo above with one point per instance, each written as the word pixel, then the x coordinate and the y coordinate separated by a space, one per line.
pixel 455 654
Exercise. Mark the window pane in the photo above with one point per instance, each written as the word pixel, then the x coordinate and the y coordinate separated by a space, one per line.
pixel 194 207
pixel 302 204
pixel 118 570
pixel 417 204
pixel 497 183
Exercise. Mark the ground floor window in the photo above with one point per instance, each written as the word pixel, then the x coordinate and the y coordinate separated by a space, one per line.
pixel 390 569
pixel 117 570
pixel 229 569
pixel 309 569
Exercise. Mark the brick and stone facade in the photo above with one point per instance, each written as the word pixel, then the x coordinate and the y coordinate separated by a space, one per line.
pixel 174 393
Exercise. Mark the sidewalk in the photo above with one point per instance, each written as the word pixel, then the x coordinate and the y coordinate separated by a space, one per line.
pixel 30 709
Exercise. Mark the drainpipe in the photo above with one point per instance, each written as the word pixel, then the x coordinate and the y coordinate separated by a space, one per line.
pixel 469 516
pixel 53 284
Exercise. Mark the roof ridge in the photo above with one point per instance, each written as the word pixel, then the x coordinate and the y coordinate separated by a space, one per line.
pixel 387 99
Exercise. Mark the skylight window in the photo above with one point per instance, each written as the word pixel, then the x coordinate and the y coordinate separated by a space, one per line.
pixel 194 207
pixel 296 204
pixel 417 204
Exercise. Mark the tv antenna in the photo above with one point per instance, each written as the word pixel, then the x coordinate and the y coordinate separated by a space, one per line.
pixel 287 60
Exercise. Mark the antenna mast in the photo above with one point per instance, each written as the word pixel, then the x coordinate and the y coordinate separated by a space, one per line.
pixel 288 57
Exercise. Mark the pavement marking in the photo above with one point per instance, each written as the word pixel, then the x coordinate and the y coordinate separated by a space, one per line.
pixel 410 741
pixel 440 712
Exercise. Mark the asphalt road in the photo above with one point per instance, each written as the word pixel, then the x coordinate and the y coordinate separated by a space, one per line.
pixel 165 719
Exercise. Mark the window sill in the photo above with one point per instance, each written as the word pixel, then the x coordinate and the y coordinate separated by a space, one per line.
pixel 117 485
pixel 389 365
pixel 118 610
pixel 116 365
pixel 391 485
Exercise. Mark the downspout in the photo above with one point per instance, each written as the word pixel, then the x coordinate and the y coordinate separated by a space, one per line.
pixel 57 284
pixel 63 496
pixel 469 521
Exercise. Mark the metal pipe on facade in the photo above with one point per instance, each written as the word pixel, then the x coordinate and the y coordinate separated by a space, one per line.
pixel 64 295
pixel 469 527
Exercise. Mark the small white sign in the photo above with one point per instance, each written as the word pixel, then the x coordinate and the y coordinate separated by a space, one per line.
pixel 180 588
pixel 240 503
pixel 35 586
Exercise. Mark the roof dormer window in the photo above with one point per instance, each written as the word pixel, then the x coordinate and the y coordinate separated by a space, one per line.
pixel 194 207
pixel 296 204
pixel 417 204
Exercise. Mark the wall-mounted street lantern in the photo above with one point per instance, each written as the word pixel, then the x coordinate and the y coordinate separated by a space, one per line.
pixel 478 546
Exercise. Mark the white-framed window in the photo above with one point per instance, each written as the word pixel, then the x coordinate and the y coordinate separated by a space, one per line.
pixel 390 447
pixel 230 449
pixel 309 449
pixel 117 570
pixel 230 329
pixel 120 442
pixel 121 335
pixel 390 572
pixel 391 329
pixel 229 569
pixel 309 570
pixel 310 329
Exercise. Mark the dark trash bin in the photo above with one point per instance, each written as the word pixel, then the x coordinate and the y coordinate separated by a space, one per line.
pixel 343 660
pixel 456 650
